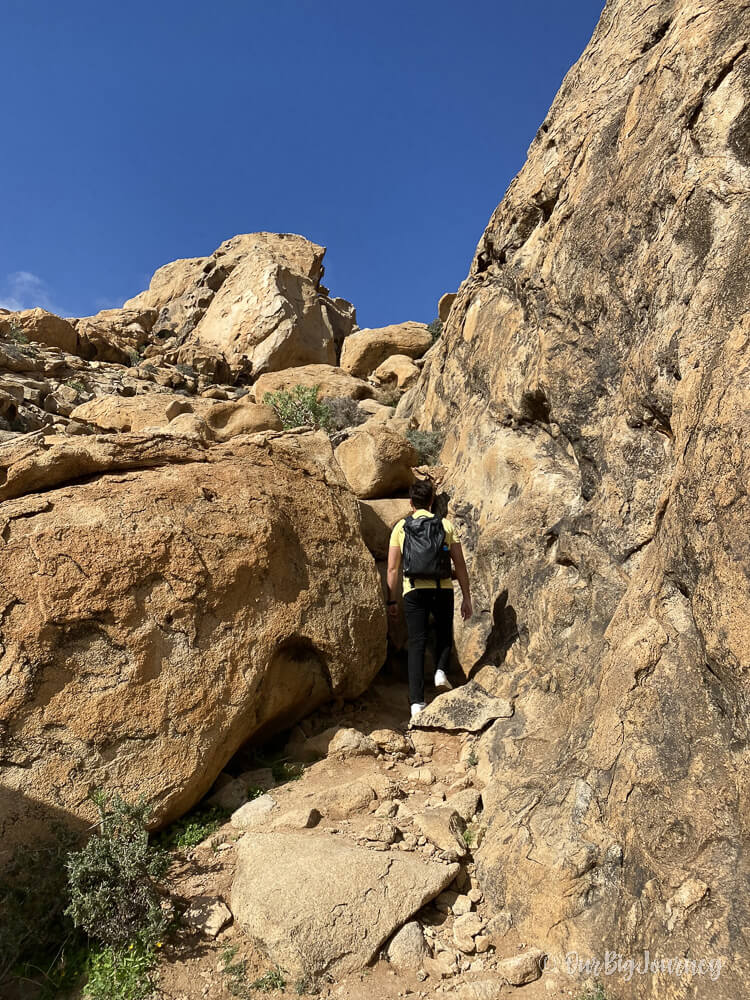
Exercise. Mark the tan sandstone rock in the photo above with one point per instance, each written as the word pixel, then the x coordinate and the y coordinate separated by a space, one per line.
pixel 43 327
pixel 364 350
pixel 398 370
pixel 376 462
pixel 161 611
pixel 592 381
pixel 332 382
pixel 378 519
pixel 348 900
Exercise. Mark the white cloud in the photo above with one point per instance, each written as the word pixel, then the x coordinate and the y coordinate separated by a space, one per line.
pixel 24 290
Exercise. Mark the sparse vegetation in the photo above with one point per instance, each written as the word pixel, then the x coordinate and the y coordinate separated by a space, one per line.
pixel 37 938
pixel 469 836
pixel 114 897
pixel 435 328
pixel 344 412
pixel 299 407
pixel 15 332
pixel 191 829
pixel 134 357
pixel 186 370
pixel 472 760
pixel 429 444
pixel 236 973
pixel 75 384
pixel 596 992
pixel 283 770
pixel 121 973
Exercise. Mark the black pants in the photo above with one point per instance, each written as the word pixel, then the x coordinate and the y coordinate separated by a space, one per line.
pixel 418 604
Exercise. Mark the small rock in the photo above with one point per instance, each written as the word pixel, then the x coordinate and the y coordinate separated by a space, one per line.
pixel 387 809
pixel 253 814
pixel 482 943
pixel 407 949
pixel 523 968
pixel 475 894
pixel 466 803
pixel 465 929
pixel 381 831
pixel 297 819
pixel 500 923
pixel 439 967
pixel 482 989
pixel 462 905
pixel 207 915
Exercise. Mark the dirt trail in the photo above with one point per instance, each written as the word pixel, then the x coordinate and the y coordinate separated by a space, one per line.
pixel 423 769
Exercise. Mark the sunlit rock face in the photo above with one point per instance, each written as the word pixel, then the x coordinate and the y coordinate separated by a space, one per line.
pixel 593 382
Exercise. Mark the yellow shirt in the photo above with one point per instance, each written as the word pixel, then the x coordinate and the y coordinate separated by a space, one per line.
pixel 397 538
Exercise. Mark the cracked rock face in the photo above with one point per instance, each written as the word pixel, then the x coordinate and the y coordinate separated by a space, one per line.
pixel 348 900
pixel 593 383
pixel 158 612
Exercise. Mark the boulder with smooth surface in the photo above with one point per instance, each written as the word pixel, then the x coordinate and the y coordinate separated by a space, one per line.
pixel 348 900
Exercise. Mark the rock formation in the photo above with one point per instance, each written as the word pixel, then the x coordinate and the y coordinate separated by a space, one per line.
pixel 592 382
pixel 158 615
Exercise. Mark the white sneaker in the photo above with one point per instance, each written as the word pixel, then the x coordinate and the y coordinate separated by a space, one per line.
pixel 441 681
pixel 416 708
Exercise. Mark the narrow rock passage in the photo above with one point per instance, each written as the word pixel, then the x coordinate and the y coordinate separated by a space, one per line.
pixel 355 877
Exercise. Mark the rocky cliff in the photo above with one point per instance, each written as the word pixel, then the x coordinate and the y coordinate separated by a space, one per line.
pixel 593 385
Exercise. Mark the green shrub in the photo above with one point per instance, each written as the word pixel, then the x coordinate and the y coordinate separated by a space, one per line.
pixel 469 836
pixel 236 973
pixel 15 332
pixel 299 407
pixel 428 444
pixel 75 384
pixel 472 760
pixel 112 880
pixel 37 937
pixel 134 358
pixel 435 328
pixel 121 973
pixel 191 829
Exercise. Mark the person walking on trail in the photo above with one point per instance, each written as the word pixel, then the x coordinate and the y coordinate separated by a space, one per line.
pixel 427 545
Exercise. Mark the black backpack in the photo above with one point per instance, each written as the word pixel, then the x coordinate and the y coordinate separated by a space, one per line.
pixel 426 554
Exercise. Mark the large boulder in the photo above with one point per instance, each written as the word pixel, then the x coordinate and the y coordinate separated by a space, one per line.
pixel 42 327
pixel 348 900
pixel 364 350
pixel 592 380
pixel 378 520
pixel 332 382
pixel 153 619
pixel 257 303
pixel 377 461
pixel 115 335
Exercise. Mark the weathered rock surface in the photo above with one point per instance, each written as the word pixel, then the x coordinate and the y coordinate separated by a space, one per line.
pixel 42 327
pixel 378 519
pixel 364 350
pixel 398 370
pixel 332 382
pixel 156 616
pixel 407 949
pixel 256 302
pixel 377 461
pixel 348 900
pixel 468 708
pixel 592 380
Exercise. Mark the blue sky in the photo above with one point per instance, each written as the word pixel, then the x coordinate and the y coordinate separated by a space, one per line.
pixel 135 133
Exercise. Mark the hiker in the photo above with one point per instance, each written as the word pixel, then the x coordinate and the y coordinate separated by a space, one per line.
pixel 427 545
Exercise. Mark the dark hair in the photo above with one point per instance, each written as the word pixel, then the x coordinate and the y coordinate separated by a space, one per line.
pixel 422 493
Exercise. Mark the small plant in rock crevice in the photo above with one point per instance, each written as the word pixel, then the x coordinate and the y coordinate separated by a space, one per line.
pixel 428 444
pixel 596 992
pixel 299 407
pixel 472 760
pixel 16 333
pixel 191 829
pixel 344 412
pixel 435 329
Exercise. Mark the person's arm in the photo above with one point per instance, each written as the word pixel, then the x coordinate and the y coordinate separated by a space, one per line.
pixel 394 563
pixel 462 575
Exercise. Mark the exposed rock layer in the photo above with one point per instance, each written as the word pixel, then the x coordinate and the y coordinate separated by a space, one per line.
pixel 593 383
